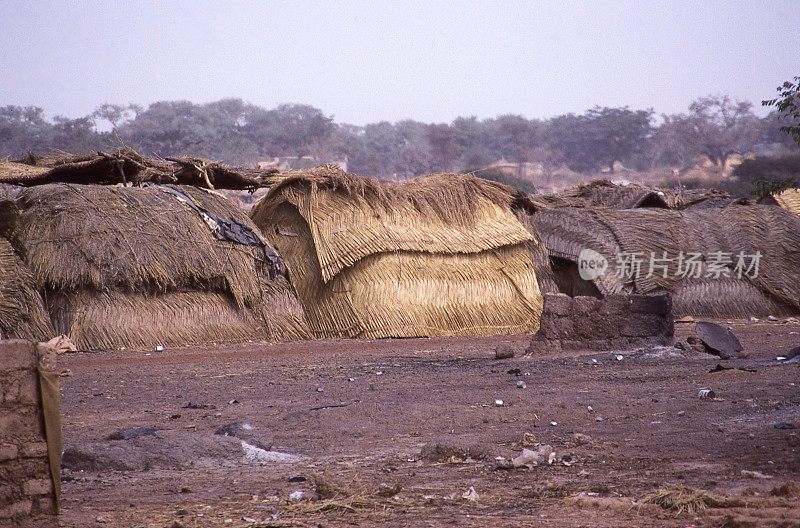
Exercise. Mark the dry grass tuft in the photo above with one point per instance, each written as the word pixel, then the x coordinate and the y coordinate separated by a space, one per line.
pixel 690 501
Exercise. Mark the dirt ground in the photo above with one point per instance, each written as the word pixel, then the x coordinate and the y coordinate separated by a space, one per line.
pixel 362 412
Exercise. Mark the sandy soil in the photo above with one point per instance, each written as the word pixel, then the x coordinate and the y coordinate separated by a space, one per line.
pixel 648 430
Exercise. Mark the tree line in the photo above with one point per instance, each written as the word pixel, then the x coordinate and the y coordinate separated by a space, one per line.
pixel 239 133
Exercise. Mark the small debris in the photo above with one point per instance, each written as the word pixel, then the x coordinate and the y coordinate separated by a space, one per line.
pixel 554 424
pixel 681 413
pixel 297 478
pixel 504 352
pixel 530 458
pixel 233 401
pixel 619 357
pixel 296 496
pixel 514 371
pixel 159 348
pixel 590 408
pixel 772 318
pixel 521 385
pixel 785 425
pixel 182 512
pixel 351 379
pixel 61 344
pixel 753 319
pixel 755 474
pixel 320 389
pixel 470 495
pixel 498 402
pixel 706 394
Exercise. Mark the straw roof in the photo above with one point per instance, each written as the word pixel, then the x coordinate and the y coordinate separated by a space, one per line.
pixel 437 255
pixel 732 230
pixel 603 193
pixel 123 266
pixel 22 313
pixel 789 200
pixel 127 166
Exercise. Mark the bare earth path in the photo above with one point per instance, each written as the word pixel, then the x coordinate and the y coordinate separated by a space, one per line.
pixel 648 429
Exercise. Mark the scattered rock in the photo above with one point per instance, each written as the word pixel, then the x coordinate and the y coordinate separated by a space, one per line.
pixel 256 455
pixel 445 449
pixel 248 433
pixel 166 449
pixel 176 524
pixel 581 439
pixel 133 432
pixel 718 340
pixel 504 352
pixel 386 490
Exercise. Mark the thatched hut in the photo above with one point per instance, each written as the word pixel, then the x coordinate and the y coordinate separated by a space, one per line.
pixel 158 265
pixel 22 313
pixel 440 255
pixel 606 194
pixel 714 287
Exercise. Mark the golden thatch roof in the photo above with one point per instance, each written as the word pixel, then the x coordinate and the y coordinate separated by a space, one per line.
pixel 22 313
pixel 351 217
pixel 88 244
pixel 437 255
pixel 789 200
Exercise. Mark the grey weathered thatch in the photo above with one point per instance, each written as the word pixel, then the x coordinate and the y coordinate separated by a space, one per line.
pixel 731 230
pixel 136 267
pixel 127 166
pixel 606 194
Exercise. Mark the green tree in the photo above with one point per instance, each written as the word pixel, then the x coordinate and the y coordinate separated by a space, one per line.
pixel 788 106
pixel 719 127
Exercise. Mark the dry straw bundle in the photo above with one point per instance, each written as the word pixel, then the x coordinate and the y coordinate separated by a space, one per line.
pixel 440 255
pixel 136 267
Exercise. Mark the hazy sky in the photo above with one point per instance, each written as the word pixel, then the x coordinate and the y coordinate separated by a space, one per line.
pixel 368 61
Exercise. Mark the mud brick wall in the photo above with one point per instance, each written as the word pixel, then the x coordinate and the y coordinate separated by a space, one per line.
pixel 616 322
pixel 27 496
